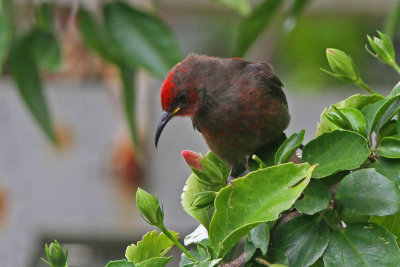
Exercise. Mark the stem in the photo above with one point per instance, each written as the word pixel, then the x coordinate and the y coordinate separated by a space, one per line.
pixel 263 262
pixel 259 161
pixel 396 67
pixel 177 243
pixel 364 86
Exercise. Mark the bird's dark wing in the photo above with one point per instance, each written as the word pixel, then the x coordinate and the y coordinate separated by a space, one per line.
pixel 263 76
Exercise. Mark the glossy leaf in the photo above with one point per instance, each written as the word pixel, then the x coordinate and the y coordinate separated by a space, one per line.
pixel 362 245
pixel 96 37
pixel 367 192
pixel 255 198
pixel 204 253
pixel 241 6
pixel 379 113
pixel 352 119
pixel 390 168
pixel 389 129
pixel 157 261
pixel 276 256
pixel 398 124
pixel 395 91
pixel 252 26
pixel 6 28
pixel 303 239
pixel 289 147
pixel 143 39
pixel 152 245
pixel 121 263
pixel 389 148
pixel 26 75
pixel 336 151
pixel 356 101
pixel 316 198
pixel 258 238
pixel 390 223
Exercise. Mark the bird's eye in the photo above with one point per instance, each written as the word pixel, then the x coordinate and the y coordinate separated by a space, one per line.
pixel 181 98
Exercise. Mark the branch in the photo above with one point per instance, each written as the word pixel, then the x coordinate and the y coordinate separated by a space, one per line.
pixel 239 261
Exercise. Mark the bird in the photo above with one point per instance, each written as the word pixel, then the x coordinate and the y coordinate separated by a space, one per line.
pixel 238 106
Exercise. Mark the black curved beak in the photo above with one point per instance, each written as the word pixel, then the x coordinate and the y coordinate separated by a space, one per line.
pixel 165 117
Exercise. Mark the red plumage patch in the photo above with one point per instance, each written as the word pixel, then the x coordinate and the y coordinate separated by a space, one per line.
pixel 166 92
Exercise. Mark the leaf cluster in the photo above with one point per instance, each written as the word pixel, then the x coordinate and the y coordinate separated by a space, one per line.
pixel 340 207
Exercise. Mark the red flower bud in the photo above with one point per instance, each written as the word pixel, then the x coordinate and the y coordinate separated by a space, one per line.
pixel 192 159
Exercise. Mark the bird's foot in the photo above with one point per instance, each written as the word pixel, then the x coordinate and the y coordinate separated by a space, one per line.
pixel 236 171
pixel 230 179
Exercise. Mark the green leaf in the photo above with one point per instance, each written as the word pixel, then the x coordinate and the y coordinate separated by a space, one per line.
pixel 143 39
pixel 389 129
pixel 386 112
pixel 258 238
pixel 369 113
pixel 398 124
pixel 349 216
pixel 6 28
pixel 390 223
pixel 356 101
pixel 360 245
pixel 289 147
pixel 390 168
pixel 121 263
pixel 303 239
pixel 255 198
pixel 46 50
pixel 367 192
pixel 26 75
pixel 128 103
pixel 389 148
pixel 206 263
pixel 252 26
pixel 318 263
pixel 153 262
pixel 336 151
pixel 192 187
pixel 379 113
pixel 316 198
pixel 203 253
pixel 152 245
pixel 241 6
pixel 96 37
pixel 352 119
pixel 395 91
pixel 277 256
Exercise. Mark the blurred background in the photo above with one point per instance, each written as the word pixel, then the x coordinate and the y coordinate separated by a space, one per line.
pixel 79 104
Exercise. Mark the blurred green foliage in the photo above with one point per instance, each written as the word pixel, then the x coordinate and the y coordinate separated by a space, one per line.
pixel 302 53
